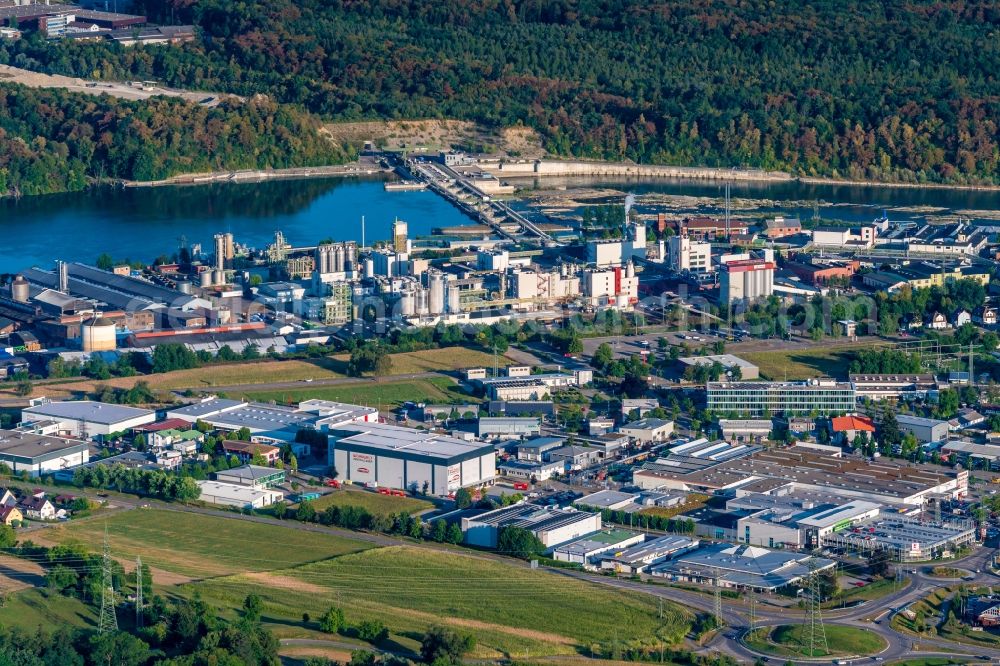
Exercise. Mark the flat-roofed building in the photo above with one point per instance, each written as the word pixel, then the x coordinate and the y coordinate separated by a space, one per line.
pixel 822 396
pixel 645 431
pixel 906 539
pixel 551 526
pixel 608 499
pixel 751 430
pixel 254 476
pixel 88 419
pixel 534 471
pixel 640 557
pixel 892 386
pixel 924 429
pixel 41 454
pixel 387 455
pixel 231 494
pixel 587 549
pixel 728 361
pixel 507 425
pixel 742 567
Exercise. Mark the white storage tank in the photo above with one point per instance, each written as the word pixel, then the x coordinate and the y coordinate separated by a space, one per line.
pixel 19 289
pixel 205 279
pixel 407 304
pixel 454 299
pixel 218 277
pixel 437 283
pixel 98 334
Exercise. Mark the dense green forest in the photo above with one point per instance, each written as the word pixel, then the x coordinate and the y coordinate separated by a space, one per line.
pixel 54 141
pixel 892 90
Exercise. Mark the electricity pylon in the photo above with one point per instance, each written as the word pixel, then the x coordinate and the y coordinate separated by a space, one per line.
pixel 108 620
pixel 817 632
pixel 138 592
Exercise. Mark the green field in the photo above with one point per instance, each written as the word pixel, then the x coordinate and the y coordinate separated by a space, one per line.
pixel 34 608
pixel 200 546
pixel 374 503
pixel 508 608
pixel 869 592
pixel 792 640
pixel 803 364
pixel 388 394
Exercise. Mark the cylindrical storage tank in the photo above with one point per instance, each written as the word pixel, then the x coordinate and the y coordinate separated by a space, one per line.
pixel 622 301
pixel 98 335
pixel 338 259
pixel 369 268
pixel 454 299
pixel 205 279
pixel 436 288
pixel 19 289
pixel 421 301
pixel 218 277
pixel 184 286
pixel 407 304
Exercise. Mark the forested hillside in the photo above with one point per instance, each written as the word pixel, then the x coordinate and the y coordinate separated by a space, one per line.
pixel 54 141
pixel 894 89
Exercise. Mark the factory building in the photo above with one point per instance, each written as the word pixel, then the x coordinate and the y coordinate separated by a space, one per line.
pixel 396 457
pixel 742 567
pixel 616 287
pixel 243 497
pixel 823 396
pixel 272 423
pixel 87 419
pixel 40 454
pixel 746 281
pixel 685 254
pixel 925 430
pixel 552 526
pixel 587 549
pixel 747 369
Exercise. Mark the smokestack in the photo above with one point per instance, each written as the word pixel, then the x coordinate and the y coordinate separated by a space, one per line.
pixel 63 270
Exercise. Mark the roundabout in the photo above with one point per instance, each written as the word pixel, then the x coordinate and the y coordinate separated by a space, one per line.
pixel 793 641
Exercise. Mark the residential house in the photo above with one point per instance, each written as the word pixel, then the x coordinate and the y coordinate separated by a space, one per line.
pixel 985 316
pixel 245 451
pixel 846 428
pixel 962 317
pixel 8 498
pixel 37 508
pixel 937 322
pixel 11 515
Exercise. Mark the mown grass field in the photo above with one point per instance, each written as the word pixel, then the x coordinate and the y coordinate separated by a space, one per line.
pixel 793 641
pixel 509 608
pixel 374 503
pixel 31 609
pixel 796 364
pixel 388 394
pixel 436 360
pixel 870 592
pixel 200 546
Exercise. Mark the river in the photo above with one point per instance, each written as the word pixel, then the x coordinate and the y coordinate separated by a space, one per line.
pixel 143 223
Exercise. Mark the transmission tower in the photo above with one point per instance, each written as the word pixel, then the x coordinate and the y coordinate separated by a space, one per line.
pixel 814 618
pixel 138 592
pixel 753 612
pixel 108 621
pixel 717 601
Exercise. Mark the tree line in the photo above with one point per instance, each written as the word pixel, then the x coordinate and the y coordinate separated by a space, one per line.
pixel 893 91
pixel 56 141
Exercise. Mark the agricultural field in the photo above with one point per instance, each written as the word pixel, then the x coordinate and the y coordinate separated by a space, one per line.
pixel 410 588
pixel 387 394
pixel 436 360
pixel 798 364
pixel 34 608
pixel 185 545
pixel 374 503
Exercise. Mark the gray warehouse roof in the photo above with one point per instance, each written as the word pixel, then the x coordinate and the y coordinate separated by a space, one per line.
pixel 36 448
pixel 396 441
pixel 87 410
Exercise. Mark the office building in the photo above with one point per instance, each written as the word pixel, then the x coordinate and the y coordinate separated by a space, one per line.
pixel 822 396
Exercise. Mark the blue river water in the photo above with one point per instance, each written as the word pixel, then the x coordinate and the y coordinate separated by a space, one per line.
pixel 143 223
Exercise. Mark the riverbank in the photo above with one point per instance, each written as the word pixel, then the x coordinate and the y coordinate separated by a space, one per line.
pixel 257 175
pixel 550 168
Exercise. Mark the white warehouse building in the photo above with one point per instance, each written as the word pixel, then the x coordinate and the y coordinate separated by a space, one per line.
pixel 396 457
pixel 87 419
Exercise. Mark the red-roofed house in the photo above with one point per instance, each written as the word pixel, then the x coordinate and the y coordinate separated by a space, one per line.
pixel 245 451
pixel 846 428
